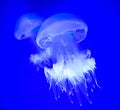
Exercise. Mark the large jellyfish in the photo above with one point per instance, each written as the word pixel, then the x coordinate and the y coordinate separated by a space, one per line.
pixel 67 68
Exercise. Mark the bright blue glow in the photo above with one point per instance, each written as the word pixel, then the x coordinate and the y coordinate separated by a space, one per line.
pixel 21 87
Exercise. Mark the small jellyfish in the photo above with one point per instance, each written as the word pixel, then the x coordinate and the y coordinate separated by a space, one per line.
pixel 27 26
pixel 67 68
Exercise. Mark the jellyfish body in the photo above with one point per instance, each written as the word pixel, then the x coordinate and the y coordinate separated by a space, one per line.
pixel 27 26
pixel 60 24
pixel 72 70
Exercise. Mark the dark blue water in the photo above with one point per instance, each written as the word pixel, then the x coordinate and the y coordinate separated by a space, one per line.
pixel 24 88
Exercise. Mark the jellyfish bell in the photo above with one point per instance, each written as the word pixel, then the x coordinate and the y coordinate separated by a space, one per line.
pixel 61 24
pixel 27 26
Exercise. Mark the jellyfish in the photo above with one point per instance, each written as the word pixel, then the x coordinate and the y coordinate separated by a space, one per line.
pixel 27 26
pixel 67 68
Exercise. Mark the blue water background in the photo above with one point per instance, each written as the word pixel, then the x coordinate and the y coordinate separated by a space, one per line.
pixel 23 88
